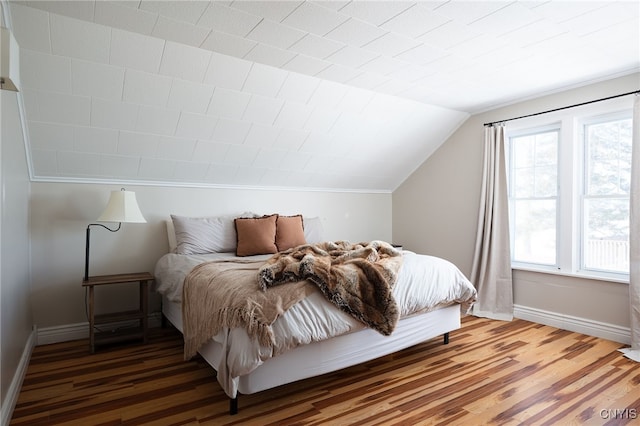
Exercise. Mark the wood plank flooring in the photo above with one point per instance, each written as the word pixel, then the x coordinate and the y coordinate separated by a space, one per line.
pixel 516 373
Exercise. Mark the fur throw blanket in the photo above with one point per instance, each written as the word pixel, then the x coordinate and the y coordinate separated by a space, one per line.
pixel 357 278
pixel 225 293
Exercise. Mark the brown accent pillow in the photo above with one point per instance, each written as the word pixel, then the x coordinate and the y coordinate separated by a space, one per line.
pixel 289 232
pixel 256 235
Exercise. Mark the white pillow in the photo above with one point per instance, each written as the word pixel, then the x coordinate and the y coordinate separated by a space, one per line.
pixel 196 235
pixel 171 236
pixel 313 231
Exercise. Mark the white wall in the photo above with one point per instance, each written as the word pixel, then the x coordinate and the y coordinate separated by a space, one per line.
pixel 15 307
pixel 435 212
pixel 60 213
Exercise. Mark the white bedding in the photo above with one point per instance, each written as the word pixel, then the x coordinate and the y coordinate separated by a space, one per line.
pixel 424 283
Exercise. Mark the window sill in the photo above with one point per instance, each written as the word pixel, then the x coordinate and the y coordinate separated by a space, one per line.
pixel 584 275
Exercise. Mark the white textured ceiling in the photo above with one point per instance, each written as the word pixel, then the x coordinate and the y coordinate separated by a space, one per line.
pixel 309 94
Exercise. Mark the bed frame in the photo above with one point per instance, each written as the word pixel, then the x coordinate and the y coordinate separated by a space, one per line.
pixel 329 355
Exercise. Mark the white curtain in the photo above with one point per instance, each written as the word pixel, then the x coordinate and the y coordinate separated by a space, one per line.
pixel 634 237
pixel 491 270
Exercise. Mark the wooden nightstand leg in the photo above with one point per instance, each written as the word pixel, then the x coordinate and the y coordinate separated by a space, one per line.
pixel 144 304
pixel 91 321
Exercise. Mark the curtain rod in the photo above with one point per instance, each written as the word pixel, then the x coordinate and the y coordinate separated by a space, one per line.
pixel 561 108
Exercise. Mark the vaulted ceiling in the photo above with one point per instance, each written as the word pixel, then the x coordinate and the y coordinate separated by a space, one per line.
pixel 345 95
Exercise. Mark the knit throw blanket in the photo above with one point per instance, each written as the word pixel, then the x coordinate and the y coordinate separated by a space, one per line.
pixel 226 293
pixel 357 278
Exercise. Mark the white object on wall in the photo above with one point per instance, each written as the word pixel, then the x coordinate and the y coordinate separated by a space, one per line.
pixel 9 61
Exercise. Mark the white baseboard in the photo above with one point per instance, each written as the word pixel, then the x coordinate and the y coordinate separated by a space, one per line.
pixel 11 398
pixel 586 326
pixel 68 332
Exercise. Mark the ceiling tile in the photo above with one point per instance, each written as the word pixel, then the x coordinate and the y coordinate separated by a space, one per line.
pixel 469 11
pixel 306 65
pixel 504 20
pixel 274 10
pixel 231 131
pixel 210 151
pixel 184 62
pixel 118 166
pixel 91 139
pixel 314 19
pixel 116 14
pixel 315 46
pixel 228 20
pixel 269 55
pixel 79 39
pixel 31 28
pixel 136 51
pixel 180 31
pixel 321 120
pixel 156 169
pixel 189 96
pixel 45 72
pixel 338 73
pixel 138 144
pixel 560 11
pixel 227 72
pixel 113 115
pixel 97 80
pixel 190 171
pixel 448 35
pixel 391 44
pixel 269 158
pixel 352 57
pixel 328 95
pixel 293 115
pixel 227 44
pixel 415 21
pixel 377 12
pixel 145 88
pixel 274 34
pixel 298 87
pixel 50 136
pixel 157 120
pixel 63 108
pixel 247 175
pixel 604 17
pixel 295 160
pixel 77 10
pixel 355 33
pixel 264 80
pixel 77 163
pixel 422 55
pixel 195 126
pixel 241 155
pixel 262 110
pixel 180 149
pixel 262 135
pixel 291 139
pixel 222 173
pixel 383 65
pixel 188 11
pixel 368 80
pixel 228 103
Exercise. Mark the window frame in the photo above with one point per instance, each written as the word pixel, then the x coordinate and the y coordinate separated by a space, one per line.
pixel 569 244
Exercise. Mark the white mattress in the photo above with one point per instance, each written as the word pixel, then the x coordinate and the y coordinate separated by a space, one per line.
pixel 333 354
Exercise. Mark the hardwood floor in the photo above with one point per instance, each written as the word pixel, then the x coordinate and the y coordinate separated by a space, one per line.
pixel 491 372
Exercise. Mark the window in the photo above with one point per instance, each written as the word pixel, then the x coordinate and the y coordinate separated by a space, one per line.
pixel 569 195
pixel 605 195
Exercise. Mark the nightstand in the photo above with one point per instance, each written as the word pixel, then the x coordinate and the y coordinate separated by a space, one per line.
pixel 95 338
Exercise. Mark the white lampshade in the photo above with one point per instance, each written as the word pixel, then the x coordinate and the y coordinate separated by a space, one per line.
pixel 122 207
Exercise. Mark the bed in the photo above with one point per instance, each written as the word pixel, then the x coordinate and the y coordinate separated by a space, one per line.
pixel 312 336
